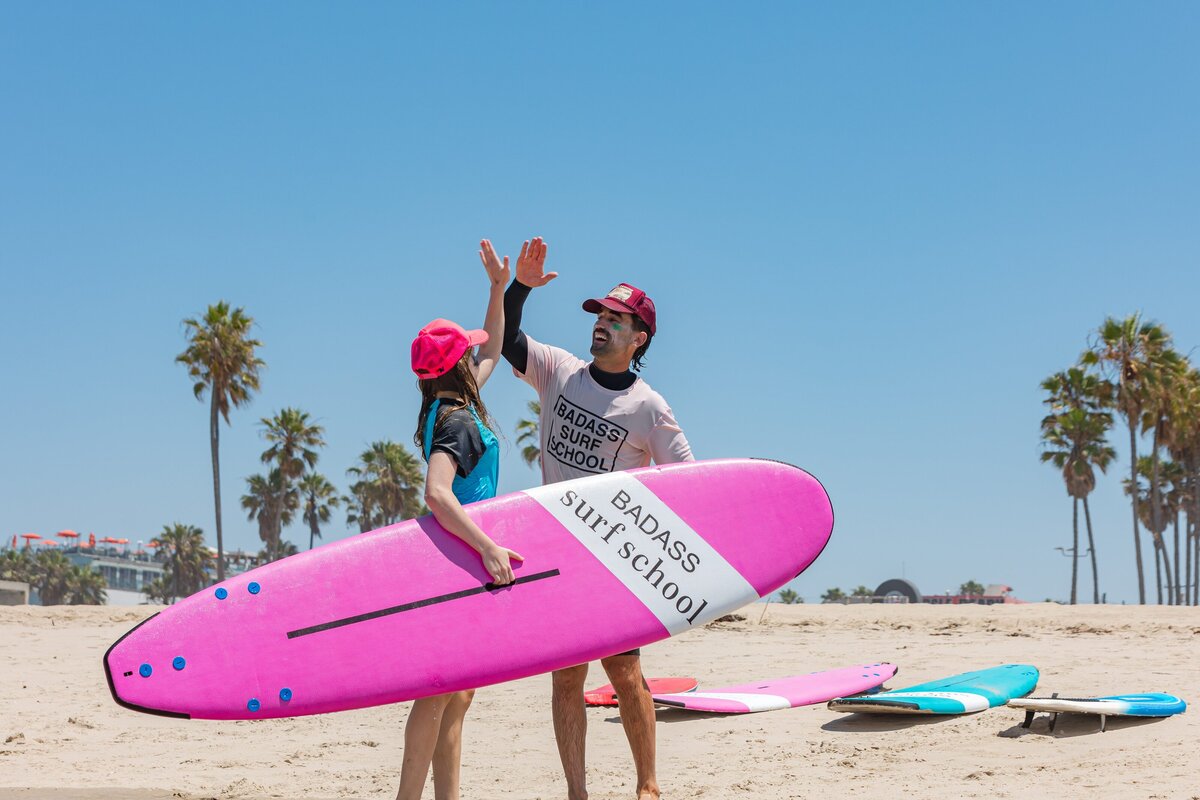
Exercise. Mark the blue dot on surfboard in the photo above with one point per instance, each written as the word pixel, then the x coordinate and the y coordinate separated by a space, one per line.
pixel 222 593
pixel 285 694
pixel 253 588
pixel 178 662
pixel 144 670
pixel 253 705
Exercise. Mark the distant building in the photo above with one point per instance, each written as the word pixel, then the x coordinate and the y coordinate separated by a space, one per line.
pixel 14 593
pixel 125 573
pixel 994 594
pixel 899 590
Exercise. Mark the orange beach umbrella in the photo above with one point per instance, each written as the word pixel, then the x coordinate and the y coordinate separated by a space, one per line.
pixel 68 534
pixel 49 543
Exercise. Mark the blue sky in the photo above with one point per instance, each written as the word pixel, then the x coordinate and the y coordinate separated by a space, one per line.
pixel 871 229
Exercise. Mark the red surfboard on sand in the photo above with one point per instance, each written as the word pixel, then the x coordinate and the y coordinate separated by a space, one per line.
pixel 605 696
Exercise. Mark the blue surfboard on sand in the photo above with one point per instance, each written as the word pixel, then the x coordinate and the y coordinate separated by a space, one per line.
pixel 1149 704
pixel 958 694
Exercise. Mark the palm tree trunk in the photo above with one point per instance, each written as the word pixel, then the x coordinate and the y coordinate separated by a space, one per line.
pixel 214 435
pixel 1166 557
pixel 1137 534
pixel 1175 595
pixel 1156 522
pixel 1087 516
pixel 1074 547
pixel 1187 543
pixel 1158 568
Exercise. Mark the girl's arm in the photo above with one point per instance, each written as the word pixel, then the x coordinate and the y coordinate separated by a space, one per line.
pixel 450 514
pixel 493 321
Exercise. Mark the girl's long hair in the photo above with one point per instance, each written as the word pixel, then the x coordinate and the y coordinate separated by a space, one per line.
pixel 461 381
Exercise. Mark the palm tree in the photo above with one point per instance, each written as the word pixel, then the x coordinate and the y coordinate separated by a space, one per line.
pixel 1181 438
pixel 320 498
pixel 388 488
pixel 1155 519
pixel 1166 369
pixel 861 591
pixel 834 595
pixel 1174 477
pixel 16 565
pixel 280 548
pixel 972 589
pixel 271 500
pixel 788 597
pixel 186 562
pixel 1124 350
pixel 86 587
pixel 529 434
pixel 220 358
pixel 1074 438
pixel 1185 449
pixel 293 439
pixel 52 575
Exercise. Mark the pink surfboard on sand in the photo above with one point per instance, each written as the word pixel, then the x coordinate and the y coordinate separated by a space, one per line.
pixel 606 696
pixel 612 562
pixel 800 690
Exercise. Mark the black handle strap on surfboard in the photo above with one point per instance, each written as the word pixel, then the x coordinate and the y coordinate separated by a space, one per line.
pixel 428 601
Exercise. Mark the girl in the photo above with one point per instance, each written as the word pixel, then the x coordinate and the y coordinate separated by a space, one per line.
pixel 455 435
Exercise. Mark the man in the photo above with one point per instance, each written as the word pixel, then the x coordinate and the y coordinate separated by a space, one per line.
pixel 579 398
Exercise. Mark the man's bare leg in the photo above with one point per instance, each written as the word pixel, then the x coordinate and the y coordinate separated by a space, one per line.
pixel 637 717
pixel 570 727
pixel 447 755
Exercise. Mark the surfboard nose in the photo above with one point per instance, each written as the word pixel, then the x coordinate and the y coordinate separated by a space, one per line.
pixel 128 676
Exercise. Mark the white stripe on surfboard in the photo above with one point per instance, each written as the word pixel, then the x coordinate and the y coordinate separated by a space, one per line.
pixel 752 702
pixel 970 702
pixel 634 534
pixel 1117 707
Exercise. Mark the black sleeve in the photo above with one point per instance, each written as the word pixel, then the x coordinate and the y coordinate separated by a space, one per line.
pixel 513 347
pixel 457 435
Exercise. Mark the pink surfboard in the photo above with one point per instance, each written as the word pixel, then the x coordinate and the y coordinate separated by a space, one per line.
pixel 606 696
pixel 801 690
pixel 407 611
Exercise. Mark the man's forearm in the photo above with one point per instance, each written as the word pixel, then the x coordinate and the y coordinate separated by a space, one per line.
pixel 515 349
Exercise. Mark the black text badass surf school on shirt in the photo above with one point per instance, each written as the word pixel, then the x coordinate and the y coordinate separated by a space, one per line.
pixel 587 429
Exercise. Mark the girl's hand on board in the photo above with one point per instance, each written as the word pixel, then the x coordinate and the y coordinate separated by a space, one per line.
pixel 496 560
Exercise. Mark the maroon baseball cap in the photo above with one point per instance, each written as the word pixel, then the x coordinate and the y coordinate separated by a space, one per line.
pixel 625 299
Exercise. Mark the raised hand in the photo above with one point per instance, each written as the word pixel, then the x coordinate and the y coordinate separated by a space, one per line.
pixel 531 264
pixel 498 273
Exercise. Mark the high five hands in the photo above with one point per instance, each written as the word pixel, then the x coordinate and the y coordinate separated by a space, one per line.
pixel 531 264
pixel 498 273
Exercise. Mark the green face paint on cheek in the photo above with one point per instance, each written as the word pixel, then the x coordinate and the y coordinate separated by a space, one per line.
pixel 616 326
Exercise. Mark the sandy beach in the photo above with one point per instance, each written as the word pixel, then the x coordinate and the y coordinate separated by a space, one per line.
pixel 62 736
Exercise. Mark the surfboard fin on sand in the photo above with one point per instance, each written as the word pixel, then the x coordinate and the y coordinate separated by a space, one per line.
pixel 1054 718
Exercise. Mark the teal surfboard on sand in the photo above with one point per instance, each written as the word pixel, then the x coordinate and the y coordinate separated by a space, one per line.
pixel 959 694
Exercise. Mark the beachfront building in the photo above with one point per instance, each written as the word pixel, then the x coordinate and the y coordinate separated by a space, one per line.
pixel 125 573
pixel 899 590
pixel 14 593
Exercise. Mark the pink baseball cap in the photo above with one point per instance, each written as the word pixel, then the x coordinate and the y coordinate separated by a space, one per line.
pixel 439 346
pixel 625 299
